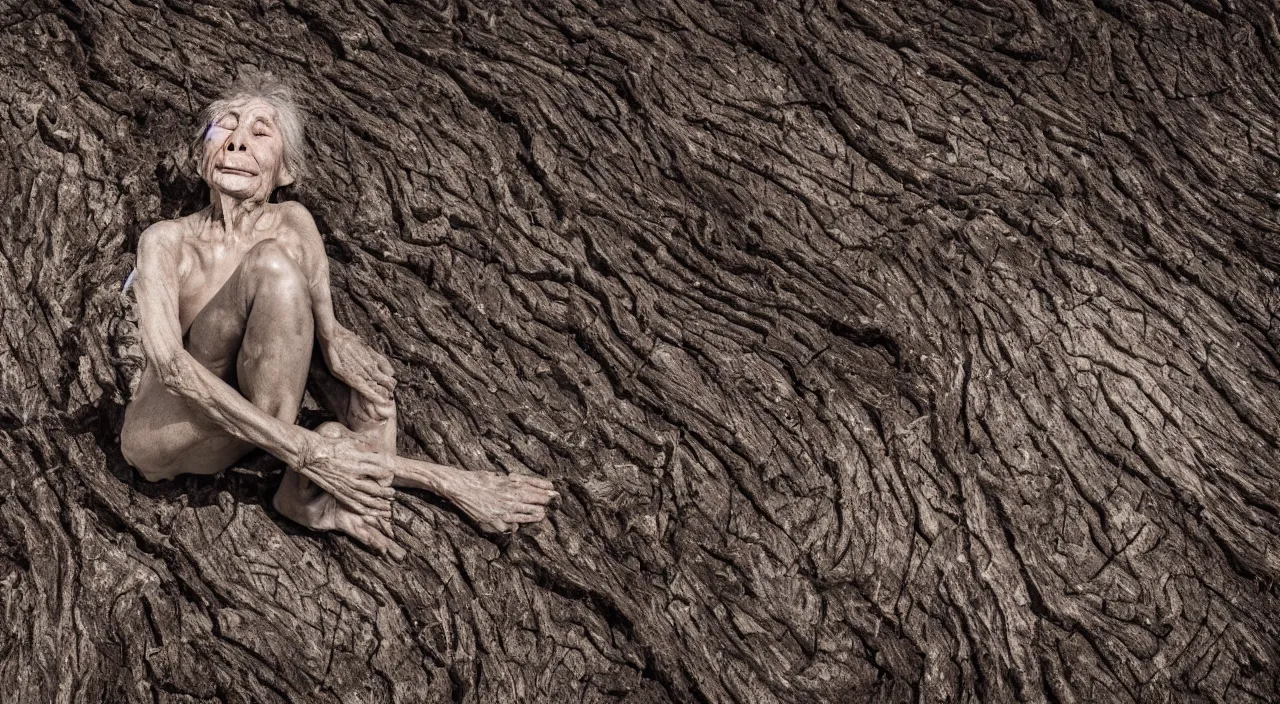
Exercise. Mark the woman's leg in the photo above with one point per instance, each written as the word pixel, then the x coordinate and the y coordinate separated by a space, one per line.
pixel 255 332
pixel 302 501
pixel 495 501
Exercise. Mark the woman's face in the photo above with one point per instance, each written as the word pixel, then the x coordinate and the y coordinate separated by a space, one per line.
pixel 243 152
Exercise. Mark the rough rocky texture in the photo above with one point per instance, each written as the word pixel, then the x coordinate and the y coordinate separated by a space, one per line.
pixel 883 351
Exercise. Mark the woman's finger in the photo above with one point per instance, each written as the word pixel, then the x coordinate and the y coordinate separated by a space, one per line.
pixel 375 467
pixel 539 482
pixel 383 379
pixel 375 491
pixel 381 491
pixel 393 547
pixel 366 499
pixel 368 465
pixel 377 536
pixel 383 397
pixel 532 481
pixel 362 409
pixel 530 511
pixel 398 552
pixel 354 503
pixel 374 512
pixel 374 370
pixel 363 502
pixel 360 385
pixel 380 504
pixel 374 391
pixel 379 411
pixel 385 365
pixel 376 394
pixel 531 495
pixel 362 379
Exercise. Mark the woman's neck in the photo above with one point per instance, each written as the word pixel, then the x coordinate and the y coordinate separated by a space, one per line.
pixel 233 216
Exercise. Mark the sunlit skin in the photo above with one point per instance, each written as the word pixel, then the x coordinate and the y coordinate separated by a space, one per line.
pixel 231 300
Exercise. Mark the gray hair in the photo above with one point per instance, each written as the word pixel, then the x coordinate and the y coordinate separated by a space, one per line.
pixel 289 117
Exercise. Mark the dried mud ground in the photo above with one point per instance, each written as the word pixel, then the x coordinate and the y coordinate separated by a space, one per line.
pixel 882 351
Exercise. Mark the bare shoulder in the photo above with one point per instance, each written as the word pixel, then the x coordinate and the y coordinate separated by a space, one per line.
pixel 296 216
pixel 291 220
pixel 292 223
pixel 165 230
pixel 161 238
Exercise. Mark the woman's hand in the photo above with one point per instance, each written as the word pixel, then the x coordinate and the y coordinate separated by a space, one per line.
pixel 357 365
pixel 358 478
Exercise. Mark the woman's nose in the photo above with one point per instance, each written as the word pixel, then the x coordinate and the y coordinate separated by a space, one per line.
pixel 236 142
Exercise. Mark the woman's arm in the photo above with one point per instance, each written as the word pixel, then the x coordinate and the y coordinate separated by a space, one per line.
pixel 349 359
pixel 355 478
pixel 159 257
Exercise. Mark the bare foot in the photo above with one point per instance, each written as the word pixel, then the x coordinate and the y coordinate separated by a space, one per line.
pixel 302 501
pixel 499 502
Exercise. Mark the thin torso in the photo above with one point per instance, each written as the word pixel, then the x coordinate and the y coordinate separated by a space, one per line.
pixel 207 263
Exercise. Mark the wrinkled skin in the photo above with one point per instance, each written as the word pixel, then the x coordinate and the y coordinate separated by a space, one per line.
pixel 246 284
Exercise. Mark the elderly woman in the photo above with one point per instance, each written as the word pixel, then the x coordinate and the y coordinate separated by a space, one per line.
pixel 230 299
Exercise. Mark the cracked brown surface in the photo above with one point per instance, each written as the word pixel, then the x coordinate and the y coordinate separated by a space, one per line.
pixel 881 351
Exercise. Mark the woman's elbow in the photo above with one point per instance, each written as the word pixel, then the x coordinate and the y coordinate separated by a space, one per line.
pixel 176 373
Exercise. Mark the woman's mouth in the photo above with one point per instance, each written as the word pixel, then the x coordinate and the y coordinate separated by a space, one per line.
pixel 232 171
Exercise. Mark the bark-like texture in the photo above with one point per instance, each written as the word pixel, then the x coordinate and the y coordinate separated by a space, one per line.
pixel 883 351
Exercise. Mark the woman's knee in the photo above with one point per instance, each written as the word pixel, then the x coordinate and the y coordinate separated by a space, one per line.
pixel 366 439
pixel 272 269
pixel 138 452
pixel 333 429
